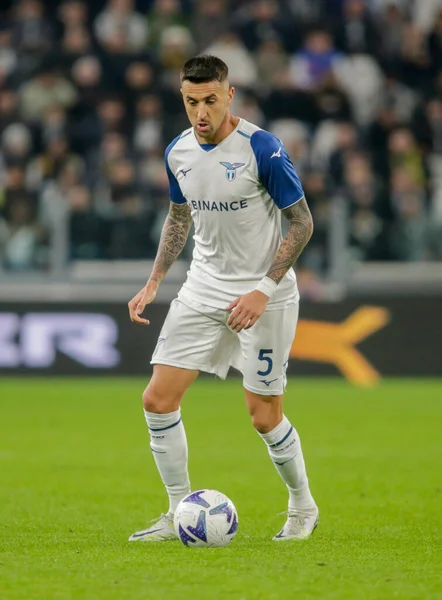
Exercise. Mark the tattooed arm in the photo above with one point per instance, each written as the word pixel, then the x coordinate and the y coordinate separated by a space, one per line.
pixel 247 309
pixel 277 174
pixel 298 234
pixel 173 239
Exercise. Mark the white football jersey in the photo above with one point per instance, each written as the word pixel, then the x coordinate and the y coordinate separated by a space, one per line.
pixel 235 190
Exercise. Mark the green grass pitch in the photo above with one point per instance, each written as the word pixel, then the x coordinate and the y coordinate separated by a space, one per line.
pixel 77 478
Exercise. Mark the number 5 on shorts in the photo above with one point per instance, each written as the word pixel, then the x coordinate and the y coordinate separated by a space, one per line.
pixel 267 359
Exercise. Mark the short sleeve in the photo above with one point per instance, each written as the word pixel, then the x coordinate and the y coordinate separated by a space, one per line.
pixel 275 169
pixel 176 195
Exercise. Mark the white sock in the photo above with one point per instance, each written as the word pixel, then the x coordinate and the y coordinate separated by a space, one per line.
pixel 169 447
pixel 286 453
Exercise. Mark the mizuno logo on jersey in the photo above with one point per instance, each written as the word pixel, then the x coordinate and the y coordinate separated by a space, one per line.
pixel 231 169
pixel 267 383
pixel 184 172
pixel 277 154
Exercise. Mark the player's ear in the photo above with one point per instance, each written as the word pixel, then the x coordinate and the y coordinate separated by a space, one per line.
pixel 231 94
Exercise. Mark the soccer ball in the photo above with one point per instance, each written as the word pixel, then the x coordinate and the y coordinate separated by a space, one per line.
pixel 206 518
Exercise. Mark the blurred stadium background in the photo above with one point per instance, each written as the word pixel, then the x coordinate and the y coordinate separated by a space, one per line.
pixel 89 99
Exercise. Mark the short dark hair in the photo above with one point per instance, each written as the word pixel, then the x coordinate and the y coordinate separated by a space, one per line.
pixel 204 68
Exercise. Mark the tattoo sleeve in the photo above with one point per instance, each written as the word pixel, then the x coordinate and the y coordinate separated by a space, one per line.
pixel 298 234
pixel 173 239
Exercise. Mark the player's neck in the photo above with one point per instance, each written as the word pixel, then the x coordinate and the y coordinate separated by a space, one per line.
pixel 225 129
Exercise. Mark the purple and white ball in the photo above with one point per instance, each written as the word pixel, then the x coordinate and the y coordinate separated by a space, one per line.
pixel 206 518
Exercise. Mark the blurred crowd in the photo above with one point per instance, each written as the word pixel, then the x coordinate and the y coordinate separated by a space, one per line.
pixel 89 99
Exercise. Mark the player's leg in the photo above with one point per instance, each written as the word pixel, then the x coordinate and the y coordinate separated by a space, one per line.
pixel 285 450
pixel 161 402
pixel 186 345
pixel 266 348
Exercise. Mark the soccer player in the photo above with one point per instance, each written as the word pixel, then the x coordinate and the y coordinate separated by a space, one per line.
pixel 239 304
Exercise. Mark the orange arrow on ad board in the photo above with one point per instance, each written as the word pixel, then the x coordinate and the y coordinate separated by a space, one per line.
pixel 335 343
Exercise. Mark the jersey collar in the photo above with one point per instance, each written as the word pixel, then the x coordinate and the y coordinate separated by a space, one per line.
pixel 209 147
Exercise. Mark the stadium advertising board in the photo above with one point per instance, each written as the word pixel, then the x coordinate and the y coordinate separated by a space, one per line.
pixel 359 340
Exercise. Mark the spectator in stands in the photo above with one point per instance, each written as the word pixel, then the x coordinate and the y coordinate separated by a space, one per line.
pixel 332 100
pixel 365 96
pixel 13 184
pixel 22 236
pixel 164 14
pixel 361 186
pixel 356 33
pixel 390 26
pixel 435 44
pixel 51 161
pixel 310 67
pixel 73 14
pixel 119 26
pixel 33 33
pixel 405 154
pixel 119 185
pixel 76 42
pixel 148 125
pixel 112 115
pixel 376 138
pixel 368 236
pixel 433 114
pixel 367 208
pixel 415 60
pixel 296 138
pixel 9 111
pixel 54 124
pixel 88 232
pixel 16 143
pixel 247 106
pixel 130 234
pixel 139 80
pixel 43 91
pixel 113 147
pixel 53 204
pixel 271 62
pixel 262 21
pixel 87 75
pixel 316 255
pixel 409 232
pixel 242 69
pixel 425 13
pixel 208 21
pixel 400 98
pixel 8 55
pixel 346 146
pixel 312 11
pixel 176 47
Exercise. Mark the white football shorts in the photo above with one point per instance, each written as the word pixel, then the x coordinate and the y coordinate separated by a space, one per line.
pixel 197 337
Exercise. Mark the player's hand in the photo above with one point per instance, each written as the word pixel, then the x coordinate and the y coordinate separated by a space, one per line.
pixel 140 301
pixel 246 310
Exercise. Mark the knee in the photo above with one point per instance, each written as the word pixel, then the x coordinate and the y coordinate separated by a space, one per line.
pixel 156 402
pixel 266 413
pixel 262 424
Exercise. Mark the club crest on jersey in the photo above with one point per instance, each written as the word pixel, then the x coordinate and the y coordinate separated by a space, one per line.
pixel 231 169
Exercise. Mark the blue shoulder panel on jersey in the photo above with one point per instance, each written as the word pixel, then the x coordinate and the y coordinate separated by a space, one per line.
pixel 176 195
pixel 275 169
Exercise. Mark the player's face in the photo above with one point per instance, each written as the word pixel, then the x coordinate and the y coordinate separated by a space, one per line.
pixel 207 105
